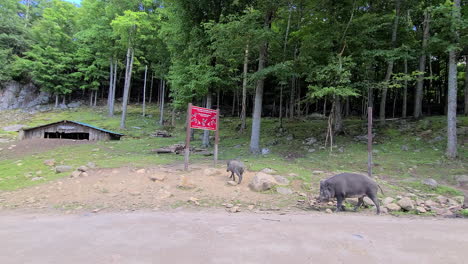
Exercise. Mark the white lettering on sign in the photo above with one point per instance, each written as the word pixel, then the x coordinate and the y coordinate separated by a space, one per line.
pixel 66 127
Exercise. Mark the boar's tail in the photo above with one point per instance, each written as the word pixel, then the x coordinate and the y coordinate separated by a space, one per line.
pixel 381 189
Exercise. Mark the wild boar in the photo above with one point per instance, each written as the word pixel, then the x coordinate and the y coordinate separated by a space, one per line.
pixel 346 185
pixel 235 167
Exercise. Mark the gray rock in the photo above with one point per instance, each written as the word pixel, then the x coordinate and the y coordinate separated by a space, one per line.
pixel 352 201
pixel 63 168
pixel 75 174
pixel 268 171
pixel 13 128
pixel 265 151
pixel 74 104
pixel 442 199
pixel 393 207
pixel 311 150
pixel 309 141
pixel 430 182
pixel 62 106
pixel 36 179
pixel 50 162
pixel 462 180
pixel 289 137
pixel 281 180
pixel 368 201
pixel 406 204
pixel 262 182
pixel 341 149
pixel 387 200
pixel 404 148
pixel 328 211
pixel 91 165
pixel 430 204
pixel 157 177
pixel 15 95
pixel 83 168
pixel 284 191
pixel 232 183
pixel 421 209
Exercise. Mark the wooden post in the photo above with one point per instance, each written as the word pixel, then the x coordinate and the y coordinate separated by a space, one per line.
pixel 369 141
pixel 187 137
pixel 216 138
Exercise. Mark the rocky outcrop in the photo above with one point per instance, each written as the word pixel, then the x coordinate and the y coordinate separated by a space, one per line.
pixel 14 95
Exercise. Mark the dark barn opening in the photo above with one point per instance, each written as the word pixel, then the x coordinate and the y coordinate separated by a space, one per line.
pixel 63 135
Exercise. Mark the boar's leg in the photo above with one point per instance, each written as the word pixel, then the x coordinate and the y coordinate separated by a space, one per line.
pixel 240 177
pixel 359 203
pixel 232 176
pixel 376 202
pixel 339 203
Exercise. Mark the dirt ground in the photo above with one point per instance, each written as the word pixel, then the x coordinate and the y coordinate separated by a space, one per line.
pixel 131 188
pixel 34 146
pixel 206 237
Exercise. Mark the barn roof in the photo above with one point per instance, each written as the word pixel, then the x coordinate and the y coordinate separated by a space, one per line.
pixel 78 123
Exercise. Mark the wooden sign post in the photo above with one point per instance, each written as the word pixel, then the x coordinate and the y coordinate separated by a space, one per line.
pixel 369 141
pixel 205 119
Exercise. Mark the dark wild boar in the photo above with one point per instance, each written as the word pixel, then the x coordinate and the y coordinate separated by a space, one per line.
pixel 235 167
pixel 346 185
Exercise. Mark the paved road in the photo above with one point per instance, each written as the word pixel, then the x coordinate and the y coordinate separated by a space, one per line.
pixel 218 237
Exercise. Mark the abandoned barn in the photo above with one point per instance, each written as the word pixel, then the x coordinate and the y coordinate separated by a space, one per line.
pixel 69 130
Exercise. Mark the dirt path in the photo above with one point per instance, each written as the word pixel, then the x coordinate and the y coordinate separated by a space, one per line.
pixel 218 237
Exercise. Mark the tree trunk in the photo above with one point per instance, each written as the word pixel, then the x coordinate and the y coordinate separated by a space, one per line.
pixel 64 99
pixel 91 94
pixel 151 89
pixel 338 127
pixel 114 87
pixel 257 113
pixel 95 98
pixel 128 77
pixel 418 98
pixel 144 91
pixel 206 133
pixel 383 100
pixel 233 110
pixel 111 83
pixel 161 116
pixel 405 90
pixel 292 97
pixel 466 85
pixel 452 92
pixel 281 107
pixel 56 100
pixel 244 89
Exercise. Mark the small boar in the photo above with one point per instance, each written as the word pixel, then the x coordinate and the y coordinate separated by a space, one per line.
pixel 346 185
pixel 235 167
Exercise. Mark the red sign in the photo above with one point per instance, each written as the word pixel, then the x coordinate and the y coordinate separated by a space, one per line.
pixel 203 118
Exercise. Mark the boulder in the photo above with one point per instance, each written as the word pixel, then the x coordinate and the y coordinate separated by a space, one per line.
pixel 452 202
pixel 368 201
pixel 75 174
pixel 387 200
pixel 284 191
pixel 392 207
pixel 74 104
pixel 352 201
pixel 442 199
pixel 420 209
pixel 431 204
pixel 83 168
pixel 404 148
pixel 231 183
pixel 462 180
pixel 328 211
pixel 63 168
pixel 84 174
pixel 430 182
pixel 16 95
pixel 141 171
pixel 157 177
pixel 265 151
pixel 281 180
pixel 310 141
pixel 406 204
pixel 262 182
pixel 49 162
pixel 268 171
pixel 234 209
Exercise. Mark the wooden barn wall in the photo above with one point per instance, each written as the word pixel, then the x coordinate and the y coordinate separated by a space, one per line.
pixel 39 132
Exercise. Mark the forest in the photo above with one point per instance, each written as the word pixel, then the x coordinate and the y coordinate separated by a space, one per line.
pixel 278 58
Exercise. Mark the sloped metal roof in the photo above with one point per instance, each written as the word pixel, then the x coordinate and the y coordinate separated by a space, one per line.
pixel 78 123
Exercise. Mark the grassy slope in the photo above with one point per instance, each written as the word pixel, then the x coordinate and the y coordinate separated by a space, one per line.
pixel 423 160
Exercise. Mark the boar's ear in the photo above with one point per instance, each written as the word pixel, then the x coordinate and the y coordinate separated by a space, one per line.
pixel 322 183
